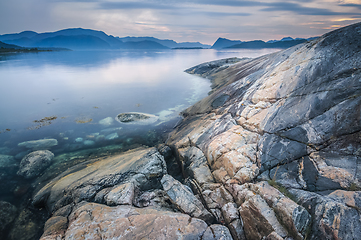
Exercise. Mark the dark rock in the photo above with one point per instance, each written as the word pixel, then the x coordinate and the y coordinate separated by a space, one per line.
pixel 7 216
pixel 34 163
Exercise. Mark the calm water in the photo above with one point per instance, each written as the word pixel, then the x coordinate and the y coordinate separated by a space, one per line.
pixel 75 90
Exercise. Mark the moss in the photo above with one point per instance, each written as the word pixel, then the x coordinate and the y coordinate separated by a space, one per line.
pixel 354 187
pixel 282 189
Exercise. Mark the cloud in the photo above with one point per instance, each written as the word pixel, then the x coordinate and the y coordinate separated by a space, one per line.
pixel 351 5
pixel 134 5
pixel 301 10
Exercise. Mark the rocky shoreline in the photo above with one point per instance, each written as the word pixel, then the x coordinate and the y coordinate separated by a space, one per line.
pixel 272 153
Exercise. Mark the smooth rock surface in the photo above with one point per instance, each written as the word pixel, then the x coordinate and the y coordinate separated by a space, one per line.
pixel 82 182
pixel 42 144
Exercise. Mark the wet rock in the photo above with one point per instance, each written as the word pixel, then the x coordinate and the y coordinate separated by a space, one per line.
pixel 88 143
pixel 96 221
pixel 144 166
pixel 25 227
pixel 7 161
pixel 34 163
pixel 184 199
pixel 42 144
pixel 217 232
pixel 106 122
pixel 136 118
pixel 7 216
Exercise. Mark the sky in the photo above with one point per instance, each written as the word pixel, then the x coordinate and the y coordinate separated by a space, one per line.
pixel 183 20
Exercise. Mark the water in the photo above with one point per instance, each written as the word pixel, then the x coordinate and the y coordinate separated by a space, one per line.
pixel 65 95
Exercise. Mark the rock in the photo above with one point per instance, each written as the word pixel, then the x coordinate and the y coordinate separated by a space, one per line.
pixel 22 154
pixel 144 166
pixel 195 164
pixel 88 143
pixel 184 199
pixel 106 122
pixel 7 216
pixel 217 232
pixel 7 161
pixel 25 227
pixel 121 195
pixel 42 144
pixel 236 229
pixel 290 117
pixel 54 227
pixel 112 136
pixel 96 221
pixel 230 212
pixel 110 130
pixel 34 163
pixel 136 118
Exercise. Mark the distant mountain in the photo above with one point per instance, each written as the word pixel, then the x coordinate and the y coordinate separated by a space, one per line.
pixel 166 42
pixel 9 46
pixel 25 34
pixel 143 45
pixel 257 44
pixel 224 42
pixel 80 39
pixel 74 42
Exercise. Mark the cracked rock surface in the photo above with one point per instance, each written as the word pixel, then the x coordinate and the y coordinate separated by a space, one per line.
pixel 292 118
pixel 274 152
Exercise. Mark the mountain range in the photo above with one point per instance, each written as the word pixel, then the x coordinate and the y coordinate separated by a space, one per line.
pixel 78 39
pixel 81 39
pixel 256 44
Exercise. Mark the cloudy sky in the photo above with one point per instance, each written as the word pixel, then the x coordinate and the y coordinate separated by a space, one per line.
pixel 183 20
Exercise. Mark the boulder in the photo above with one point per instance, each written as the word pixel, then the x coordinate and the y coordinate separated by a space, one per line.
pixel 35 163
pixel 144 167
pixel 106 122
pixel 42 144
pixel 136 118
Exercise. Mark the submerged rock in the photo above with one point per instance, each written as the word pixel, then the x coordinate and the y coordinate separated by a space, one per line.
pixel 7 216
pixel 136 118
pixel 42 144
pixel 34 163
pixel 106 122
pixel 112 136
